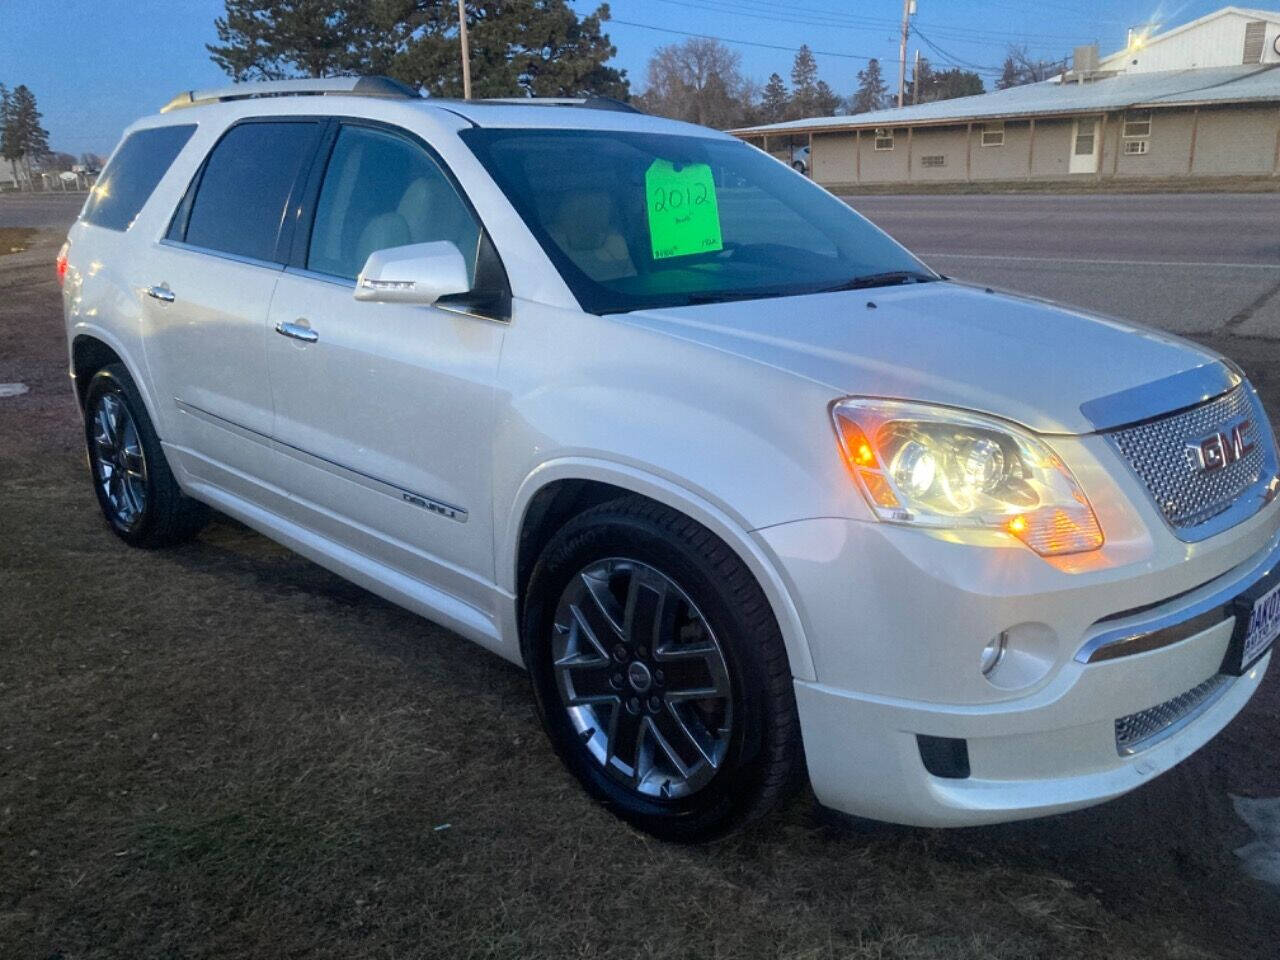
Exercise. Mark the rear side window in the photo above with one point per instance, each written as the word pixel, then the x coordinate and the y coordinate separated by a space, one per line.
pixel 243 191
pixel 126 184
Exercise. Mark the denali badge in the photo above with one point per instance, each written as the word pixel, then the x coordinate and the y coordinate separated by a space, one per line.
pixel 1224 448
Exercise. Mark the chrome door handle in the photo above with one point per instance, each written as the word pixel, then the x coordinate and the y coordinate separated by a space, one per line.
pixel 161 292
pixel 297 331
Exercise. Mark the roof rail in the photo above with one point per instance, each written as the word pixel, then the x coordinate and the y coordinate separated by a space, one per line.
pixel 345 86
pixel 588 103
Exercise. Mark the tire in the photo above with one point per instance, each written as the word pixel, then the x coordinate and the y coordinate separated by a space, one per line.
pixel 716 634
pixel 798 166
pixel 136 490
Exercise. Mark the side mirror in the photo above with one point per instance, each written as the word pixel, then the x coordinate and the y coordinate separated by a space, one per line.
pixel 419 273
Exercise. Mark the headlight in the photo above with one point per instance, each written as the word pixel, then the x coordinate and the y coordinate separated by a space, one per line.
pixel 937 467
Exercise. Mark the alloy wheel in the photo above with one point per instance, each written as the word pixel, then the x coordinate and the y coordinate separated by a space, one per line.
pixel 643 678
pixel 119 465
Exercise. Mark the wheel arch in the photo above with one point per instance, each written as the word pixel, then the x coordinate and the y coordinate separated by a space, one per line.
pixel 558 490
pixel 93 348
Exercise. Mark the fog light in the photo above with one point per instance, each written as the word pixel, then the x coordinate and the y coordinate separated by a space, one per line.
pixel 993 653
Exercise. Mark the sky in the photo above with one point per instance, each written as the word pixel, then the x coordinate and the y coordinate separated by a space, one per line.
pixel 97 65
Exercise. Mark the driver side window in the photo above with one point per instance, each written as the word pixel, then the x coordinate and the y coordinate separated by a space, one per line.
pixel 382 190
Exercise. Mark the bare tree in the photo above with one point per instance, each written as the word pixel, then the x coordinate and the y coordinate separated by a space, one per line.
pixel 699 80
pixel 1021 67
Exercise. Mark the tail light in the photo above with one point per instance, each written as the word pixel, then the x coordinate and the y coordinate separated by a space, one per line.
pixel 61 264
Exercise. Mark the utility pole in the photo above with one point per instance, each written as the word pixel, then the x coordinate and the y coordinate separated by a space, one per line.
pixel 908 8
pixel 915 81
pixel 466 50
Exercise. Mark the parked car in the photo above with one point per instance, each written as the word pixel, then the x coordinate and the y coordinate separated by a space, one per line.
pixel 800 159
pixel 751 491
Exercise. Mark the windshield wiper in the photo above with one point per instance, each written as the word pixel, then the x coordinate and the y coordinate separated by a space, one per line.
pixel 889 278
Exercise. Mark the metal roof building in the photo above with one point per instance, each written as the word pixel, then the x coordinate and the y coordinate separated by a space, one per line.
pixel 1132 114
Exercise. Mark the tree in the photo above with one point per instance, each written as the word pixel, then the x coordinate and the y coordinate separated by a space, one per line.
pixel 871 89
pixel 804 83
pixel 942 85
pixel 1021 67
pixel 9 147
pixel 23 138
pixel 698 80
pixel 774 101
pixel 1008 75
pixel 518 47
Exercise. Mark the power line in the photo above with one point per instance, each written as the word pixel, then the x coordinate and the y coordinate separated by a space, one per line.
pixel 742 43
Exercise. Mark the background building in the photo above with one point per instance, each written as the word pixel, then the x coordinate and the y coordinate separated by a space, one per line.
pixel 1200 100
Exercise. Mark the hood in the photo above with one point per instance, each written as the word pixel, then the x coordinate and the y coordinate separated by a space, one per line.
pixel 948 343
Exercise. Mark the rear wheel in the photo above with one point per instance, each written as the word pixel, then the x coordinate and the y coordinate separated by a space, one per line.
pixel 134 485
pixel 659 671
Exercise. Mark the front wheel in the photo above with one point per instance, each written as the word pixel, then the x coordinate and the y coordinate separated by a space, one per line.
pixel 136 490
pixel 659 671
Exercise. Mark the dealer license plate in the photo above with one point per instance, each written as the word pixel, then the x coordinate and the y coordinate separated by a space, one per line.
pixel 1261 619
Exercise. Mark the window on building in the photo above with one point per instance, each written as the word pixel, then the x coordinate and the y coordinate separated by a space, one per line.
pixel 126 184
pixel 993 134
pixel 1137 124
pixel 1086 136
pixel 1136 148
pixel 933 160
pixel 1255 37
pixel 884 139
pixel 240 199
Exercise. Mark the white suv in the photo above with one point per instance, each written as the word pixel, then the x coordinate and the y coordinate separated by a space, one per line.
pixel 747 488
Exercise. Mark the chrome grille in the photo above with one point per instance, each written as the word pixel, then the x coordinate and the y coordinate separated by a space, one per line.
pixel 1163 455
pixel 1148 727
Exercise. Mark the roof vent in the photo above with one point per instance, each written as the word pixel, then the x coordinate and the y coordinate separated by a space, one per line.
pixel 1255 38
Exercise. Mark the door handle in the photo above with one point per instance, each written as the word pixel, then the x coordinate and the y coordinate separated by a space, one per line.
pixel 161 293
pixel 297 331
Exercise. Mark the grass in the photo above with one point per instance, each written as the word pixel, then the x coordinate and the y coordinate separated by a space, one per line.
pixel 15 239
pixel 223 751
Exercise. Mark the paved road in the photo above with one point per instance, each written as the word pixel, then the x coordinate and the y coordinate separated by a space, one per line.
pixel 45 211
pixel 1192 263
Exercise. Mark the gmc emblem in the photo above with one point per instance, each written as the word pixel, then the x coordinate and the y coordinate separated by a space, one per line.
pixel 1220 450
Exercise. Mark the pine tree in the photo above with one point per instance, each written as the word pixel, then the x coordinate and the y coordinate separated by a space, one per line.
pixel 23 130
pixel 1008 75
pixel 10 149
pixel 518 47
pixel 871 89
pixel 804 83
pixel 774 100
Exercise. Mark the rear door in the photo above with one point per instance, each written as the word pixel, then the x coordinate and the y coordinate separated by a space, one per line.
pixel 211 284
pixel 385 411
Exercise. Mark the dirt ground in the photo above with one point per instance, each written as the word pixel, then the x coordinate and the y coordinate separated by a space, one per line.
pixel 224 751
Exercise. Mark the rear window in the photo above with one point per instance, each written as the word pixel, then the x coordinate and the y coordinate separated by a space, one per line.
pixel 242 193
pixel 126 184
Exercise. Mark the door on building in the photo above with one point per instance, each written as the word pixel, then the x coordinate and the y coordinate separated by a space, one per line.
pixel 1086 145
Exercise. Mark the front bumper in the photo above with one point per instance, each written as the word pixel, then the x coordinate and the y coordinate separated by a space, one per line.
pixel 896 622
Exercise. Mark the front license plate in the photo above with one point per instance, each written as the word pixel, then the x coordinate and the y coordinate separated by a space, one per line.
pixel 1257 626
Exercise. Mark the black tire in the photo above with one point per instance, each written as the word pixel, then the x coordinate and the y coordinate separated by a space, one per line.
pixel 159 514
pixel 762 754
pixel 799 166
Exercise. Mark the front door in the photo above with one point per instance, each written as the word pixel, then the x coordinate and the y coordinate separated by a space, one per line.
pixel 384 412
pixel 1086 145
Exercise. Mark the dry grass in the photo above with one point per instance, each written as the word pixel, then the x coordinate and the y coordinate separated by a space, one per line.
pixel 223 751
pixel 15 239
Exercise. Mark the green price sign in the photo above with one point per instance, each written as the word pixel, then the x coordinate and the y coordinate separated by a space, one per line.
pixel 683 216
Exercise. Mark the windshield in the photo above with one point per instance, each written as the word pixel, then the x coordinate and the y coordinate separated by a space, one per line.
pixel 639 220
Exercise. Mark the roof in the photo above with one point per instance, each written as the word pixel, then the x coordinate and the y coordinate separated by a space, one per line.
pixel 1235 84
pixel 1270 15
